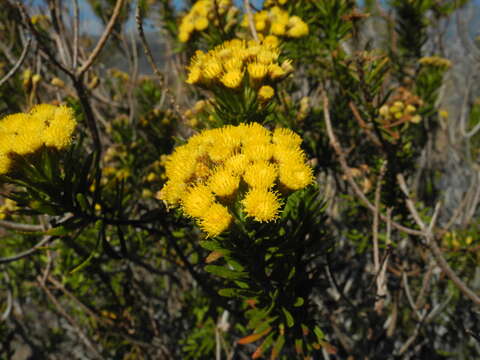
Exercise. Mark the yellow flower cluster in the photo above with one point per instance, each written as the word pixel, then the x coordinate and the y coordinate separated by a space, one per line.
pixel 228 64
pixel 25 133
pixel 401 108
pixel 268 3
pixel 278 22
pixel 200 15
pixel 456 241
pixel 399 112
pixel 7 208
pixel 435 61
pixel 245 163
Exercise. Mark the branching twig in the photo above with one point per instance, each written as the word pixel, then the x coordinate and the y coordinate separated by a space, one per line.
pixel 17 65
pixel 83 337
pixel 251 24
pixel 28 252
pixel 103 39
pixel 76 25
pixel 151 61
pixel 431 243
pixel 343 162
pixel 20 227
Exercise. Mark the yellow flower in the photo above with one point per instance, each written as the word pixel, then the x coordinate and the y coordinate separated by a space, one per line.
pixel 233 64
pixel 215 220
pixel 297 27
pixel 255 133
pixel 232 79
pixel 172 192
pixel 294 175
pixel 278 28
pixel 197 200
pixel 223 183
pixel 261 205
pixel 201 23
pixel 183 36
pixel 286 138
pixel 287 66
pixel 283 153
pixel 416 119
pixel 202 171
pixel 410 109
pixel 237 164
pixel 276 72
pixel 194 75
pixel 260 175
pixel 258 151
pixel 267 56
pixel 209 167
pixel 212 69
pixel 225 64
pixel 435 61
pixel 59 131
pixel 257 71
pixel 5 163
pixel 271 40
pixel 260 25
pixel 384 111
pixel 265 93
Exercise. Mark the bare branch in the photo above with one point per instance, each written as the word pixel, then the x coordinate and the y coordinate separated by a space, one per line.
pixel 20 227
pixel 103 39
pixel 76 25
pixel 151 61
pixel 83 337
pixel 431 243
pixel 19 63
pixel 251 24
pixel 28 252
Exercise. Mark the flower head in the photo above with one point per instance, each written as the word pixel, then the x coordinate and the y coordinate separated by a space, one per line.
pixel 265 93
pixel 197 200
pixel 261 175
pixel 197 19
pixel 245 163
pixel 229 63
pixel 215 220
pixel 223 183
pixel 261 204
pixel 26 133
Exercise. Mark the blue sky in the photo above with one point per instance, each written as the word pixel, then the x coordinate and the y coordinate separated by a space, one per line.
pixel 89 23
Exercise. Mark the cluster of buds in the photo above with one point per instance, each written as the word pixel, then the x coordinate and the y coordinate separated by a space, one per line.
pixel 228 64
pixel 278 22
pixel 455 241
pixel 8 207
pixel 25 133
pixel 436 61
pixel 243 167
pixel 204 12
pixel 402 108
pixel 199 114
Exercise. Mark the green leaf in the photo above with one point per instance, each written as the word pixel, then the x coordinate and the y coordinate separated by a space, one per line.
pixel 232 292
pixel 278 347
pixel 288 317
pixel 299 302
pixel 319 333
pixel 235 264
pixel 90 257
pixel 224 272
pixel 209 245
